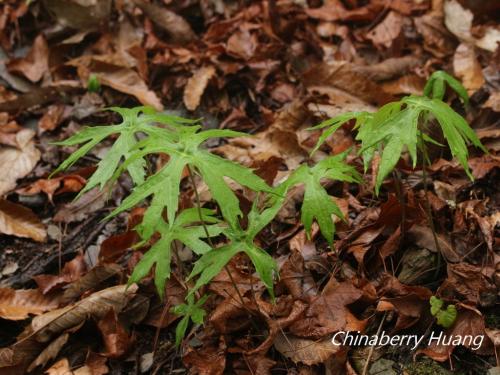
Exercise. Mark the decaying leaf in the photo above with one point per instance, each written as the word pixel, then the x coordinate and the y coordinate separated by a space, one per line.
pixel 50 352
pixel 20 221
pixel 36 62
pixel 96 306
pixel 196 86
pixel 309 352
pixel 17 162
pixel 19 304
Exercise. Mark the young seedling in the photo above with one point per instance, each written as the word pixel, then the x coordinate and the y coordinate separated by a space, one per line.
pixel 403 125
pixel 191 311
pixel 445 318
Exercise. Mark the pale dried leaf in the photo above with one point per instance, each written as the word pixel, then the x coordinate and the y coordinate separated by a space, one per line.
pixel 306 351
pixel 466 67
pixel 60 368
pixel 196 86
pixel 17 162
pixel 19 304
pixel 20 221
pixel 50 352
pixel 96 306
pixel 35 63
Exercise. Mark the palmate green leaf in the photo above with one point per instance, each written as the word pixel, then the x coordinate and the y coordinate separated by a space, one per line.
pixel 435 87
pixel 445 318
pixel 182 229
pixel 212 263
pixel 191 311
pixel 397 127
pixel 134 121
pixel 187 151
pixel 317 204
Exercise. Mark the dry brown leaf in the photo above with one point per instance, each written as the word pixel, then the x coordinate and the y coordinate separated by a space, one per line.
pixel 80 14
pixel 50 352
pixel 19 304
pixel 116 340
pixel 467 68
pixel 17 162
pixel 61 367
pixel 437 39
pixel 459 21
pixel 387 30
pixel 51 118
pixel 344 76
pixel 92 201
pixel 128 81
pixel 65 184
pixel 309 352
pixel 493 101
pixel 90 280
pixel 71 271
pixel 20 221
pixel 96 306
pixel 196 86
pixel 94 365
pixel 242 44
pixel 175 25
pixel 36 62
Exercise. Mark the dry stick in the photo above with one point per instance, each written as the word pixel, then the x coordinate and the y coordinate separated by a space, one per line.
pixel 370 353
pixel 209 239
pixel 425 163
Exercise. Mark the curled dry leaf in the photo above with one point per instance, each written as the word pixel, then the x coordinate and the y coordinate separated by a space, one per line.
pixel 116 340
pixel 17 162
pixel 19 304
pixel 387 31
pixel 92 201
pixel 54 186
pixel 83 15
pixel 309 352
pixel 20 221
pixel 96 306
pixel 90 280
pixel 61 367
pixel 196 86
pixel 50 352
pixel 467 68
pixel 35 64
pixel 172 23
pixel 71 271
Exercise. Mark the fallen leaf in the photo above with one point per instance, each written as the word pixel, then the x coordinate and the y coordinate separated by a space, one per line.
pixel 242 44
pixel 52 118
pixel 196 86
pixel 36 62
pixel 386 31
pixel 50 352
pixel 116 340
pixel 71 271
pixel 61 367
pixel 483 165
pixel 459 21
pixel 80 14
pixel 309 352
pixel 20 221
pixel 96 305
pixel 17 162
pixel 208 360
pixel 19 304
pixel 90 280
pixel 175 25
pixel 92 201
pixel 467 68
pixel 65 184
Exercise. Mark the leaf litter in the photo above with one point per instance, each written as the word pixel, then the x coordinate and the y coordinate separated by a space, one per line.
pixel 273 69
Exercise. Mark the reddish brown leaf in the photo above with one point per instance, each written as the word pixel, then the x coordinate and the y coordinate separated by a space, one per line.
pixel 72 271
pixel 20 221
pixel 116 340
pixel 196 86
pixel 36 62
pixel 19 304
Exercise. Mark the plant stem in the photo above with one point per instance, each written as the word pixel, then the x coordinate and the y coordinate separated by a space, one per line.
pixel 370 353
pixel 209 239
pixel 428 209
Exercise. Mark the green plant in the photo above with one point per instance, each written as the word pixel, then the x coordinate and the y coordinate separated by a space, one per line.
pixel 191 311
pixel 143 132
pixel 445 318
pixel 403 125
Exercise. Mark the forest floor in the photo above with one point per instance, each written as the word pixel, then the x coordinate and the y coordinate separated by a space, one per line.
pixel 272 69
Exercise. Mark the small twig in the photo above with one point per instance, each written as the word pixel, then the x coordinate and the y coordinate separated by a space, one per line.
pixel 428 209
pixel 370 353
